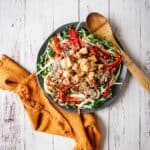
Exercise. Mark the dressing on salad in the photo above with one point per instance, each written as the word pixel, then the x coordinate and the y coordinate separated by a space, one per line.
pixel 79 68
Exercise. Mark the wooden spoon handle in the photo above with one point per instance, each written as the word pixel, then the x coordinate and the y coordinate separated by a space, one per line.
pixel 136 71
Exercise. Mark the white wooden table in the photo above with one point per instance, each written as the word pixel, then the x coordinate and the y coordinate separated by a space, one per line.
pixel 25 24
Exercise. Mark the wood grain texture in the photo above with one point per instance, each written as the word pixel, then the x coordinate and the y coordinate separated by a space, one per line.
pixel 11 41
pixel 25 24
pixel 145 61
pixel 11 127
pixel 124 116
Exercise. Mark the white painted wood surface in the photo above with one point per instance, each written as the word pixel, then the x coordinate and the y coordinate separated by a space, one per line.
pixel 25 24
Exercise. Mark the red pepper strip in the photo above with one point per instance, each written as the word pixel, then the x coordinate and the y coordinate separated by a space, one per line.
pixel 105 53
pixel 72 33
pixel 57 46
pixel 114 63
pixel 64 87
pixel 61 94
pixel 75 44
pixel 93 51
pixel 72 99
pixel 74 39
pixel 106 92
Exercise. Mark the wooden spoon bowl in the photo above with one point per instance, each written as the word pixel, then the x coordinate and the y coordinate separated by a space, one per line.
pixel 98 24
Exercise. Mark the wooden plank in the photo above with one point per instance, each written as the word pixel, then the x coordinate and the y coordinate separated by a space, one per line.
pixel 89 6
pixel 64 12
pixel 102 7
pixel 124 115
pixel 11 112
pixel 11 122
pixel 145 61
pixel 38 26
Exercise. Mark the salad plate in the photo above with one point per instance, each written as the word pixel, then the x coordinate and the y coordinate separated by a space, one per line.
pixel 78 71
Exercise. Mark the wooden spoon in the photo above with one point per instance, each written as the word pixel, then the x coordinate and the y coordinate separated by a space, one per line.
pixel 98 24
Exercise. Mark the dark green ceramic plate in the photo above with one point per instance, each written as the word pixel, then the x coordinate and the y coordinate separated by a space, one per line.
pixel 116 89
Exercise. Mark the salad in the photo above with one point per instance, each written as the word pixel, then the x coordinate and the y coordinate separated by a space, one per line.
pixel 79 69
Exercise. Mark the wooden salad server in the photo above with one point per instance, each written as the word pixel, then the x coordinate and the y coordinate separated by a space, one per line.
pixel 98 24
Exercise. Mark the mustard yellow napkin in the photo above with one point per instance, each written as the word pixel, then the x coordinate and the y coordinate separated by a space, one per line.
pixel 43 115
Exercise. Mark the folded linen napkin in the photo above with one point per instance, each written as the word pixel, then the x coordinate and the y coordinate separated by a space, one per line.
pixel 45 116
